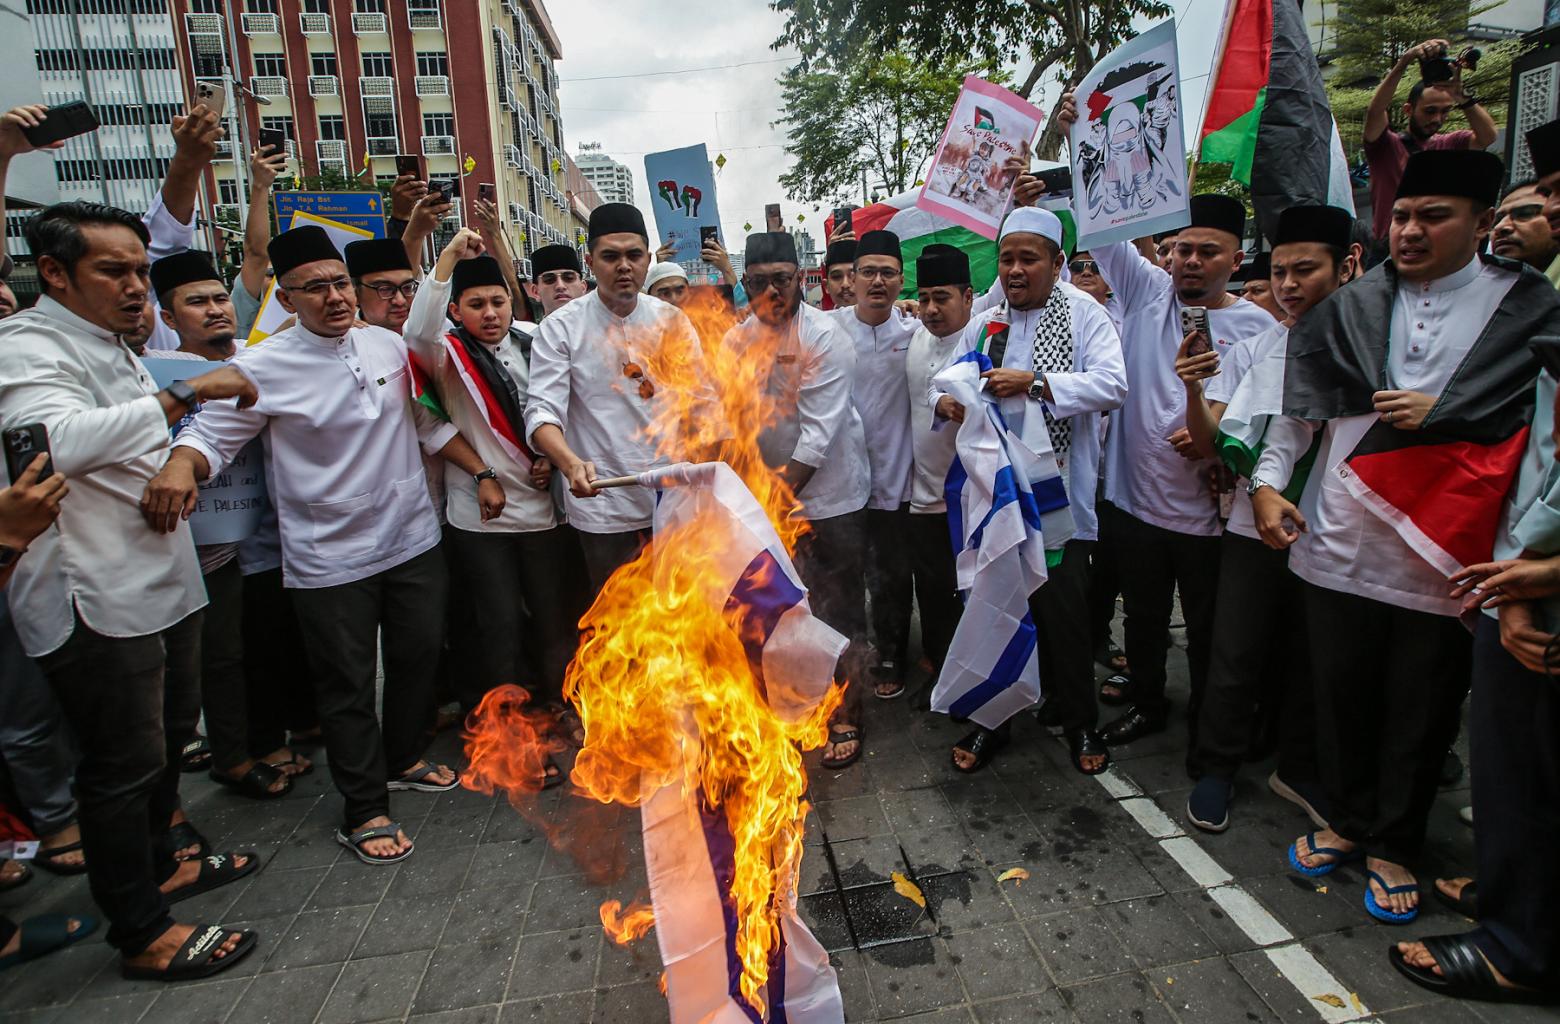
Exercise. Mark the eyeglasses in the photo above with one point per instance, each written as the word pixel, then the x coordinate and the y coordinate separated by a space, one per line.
pixel 1525 212
pixel 389 291
pixel 878 273
pixel 758 283
pixel 1084 267
pixel 319 289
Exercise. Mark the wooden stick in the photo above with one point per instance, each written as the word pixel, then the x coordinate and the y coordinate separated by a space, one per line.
pixel 616 481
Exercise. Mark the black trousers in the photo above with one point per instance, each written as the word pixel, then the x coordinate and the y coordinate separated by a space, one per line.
pixel 930 549
pixel 132 703
pixel 1260 659
pixel 1513 726
pixel 605 553
pixel 276 665
pixel 242 720
pixel 515 591
pixel 344 627
pixel 1061 613
pixel 1389 682
pixel 1104 584
pixel 889 588
pixel 1154 564
pixel 831 559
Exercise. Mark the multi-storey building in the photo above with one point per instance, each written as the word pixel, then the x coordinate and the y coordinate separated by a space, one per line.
pixel 354 83
pixel 613 181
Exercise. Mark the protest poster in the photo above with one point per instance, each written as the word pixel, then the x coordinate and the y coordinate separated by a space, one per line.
pixel 230 507
pixel 1129 156
pixel 967 183
pixel 682 194
pixel 272 316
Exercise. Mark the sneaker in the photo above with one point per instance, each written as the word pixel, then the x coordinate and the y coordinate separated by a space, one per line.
pixel 1307 796
pixel 1209 805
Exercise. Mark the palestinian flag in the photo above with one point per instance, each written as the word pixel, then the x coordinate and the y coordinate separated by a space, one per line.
pixel 422 391
pixel 1267 113
pixel 918 228
pixel 510 436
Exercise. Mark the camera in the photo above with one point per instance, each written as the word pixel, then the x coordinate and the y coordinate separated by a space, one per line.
pixel 1440 68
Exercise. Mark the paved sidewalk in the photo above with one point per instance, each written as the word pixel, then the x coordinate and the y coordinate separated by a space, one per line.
pixel 1128 914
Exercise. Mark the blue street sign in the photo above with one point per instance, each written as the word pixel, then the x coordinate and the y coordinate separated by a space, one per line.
pixel 365 210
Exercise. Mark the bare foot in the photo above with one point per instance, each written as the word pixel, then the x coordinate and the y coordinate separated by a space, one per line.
pixel 383 847
pixel 10 871
pixel 1326 837
pixel 963 759
pixel 287 761
pixel 1453 887
pixel 72 926
pixel 1394 875
pixel 161 952
pixel 1089 762
pixel 64 837
pixel 189 870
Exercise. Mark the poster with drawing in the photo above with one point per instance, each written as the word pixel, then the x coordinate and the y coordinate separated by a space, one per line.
pixel 967 183
pixel 1129 156
pixel 682 194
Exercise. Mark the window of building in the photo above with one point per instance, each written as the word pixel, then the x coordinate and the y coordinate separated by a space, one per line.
pixel 227 191
pixel 271 65
pixel 378 65
pixel 206 7
pixel 380 126
pixel 316 6
pixel 333 126
pixel 369 6
pixel 260 6
pixel 279 122
pixel 433 64
pixel 322 63
pixel 438 124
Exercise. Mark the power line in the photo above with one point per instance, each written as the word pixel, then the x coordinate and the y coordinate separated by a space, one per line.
pixel 681 71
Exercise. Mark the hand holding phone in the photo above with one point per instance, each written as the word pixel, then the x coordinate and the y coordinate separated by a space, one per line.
pixel 445 187
pixel 772 220
pixel 708 233
pixel 22 445
pixel 210 94
pixel 1195 318
pixel 406 164
pixel 275 139
pixel 487 192
pixel 62 122
pixel 843 218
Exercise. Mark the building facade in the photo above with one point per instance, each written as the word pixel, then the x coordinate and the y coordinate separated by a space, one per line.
pixel 613 181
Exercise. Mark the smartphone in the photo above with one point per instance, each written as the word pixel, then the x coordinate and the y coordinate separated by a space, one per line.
pixel 274 138
pixel 445 187
pixel 210 94
pixel 707 234
pixel 842 215
pixel 487 192
pixel 63 122
pixel 1547 351
pixel 405 164
pixel 22 445
pixel 772 221
pixel 1058 180
pixel 1195 318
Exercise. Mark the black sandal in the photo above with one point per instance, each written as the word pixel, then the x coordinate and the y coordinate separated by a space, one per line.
pixel 1466 903
pixel 555 777
pixel 1111 657
pixel 1464 973
pixel 1122 685
pixel 182 836
pixel 984 744
pixel 256 783
pixel 48 860
pixel 838 736
pixel 216 870
pixel 1082 743
pixel 195 755
pixel 355 841
pixel 197 957
pixel 291 761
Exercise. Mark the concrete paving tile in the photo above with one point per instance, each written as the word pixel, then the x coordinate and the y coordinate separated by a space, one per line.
pixel 815 874
pixel 1284 1002
pixel 879 914
pixel 507 825
pixel 1164 870
pixel 442 873
pixel 914 809
pixel 852 818
pixel 453 826
pixel 566 1009
pixel 1163 773
pixel 307 848
pixel 1357 957
pixel 116 1008
pixel 473 974
pixel 1078 945
pixel 466 1015
pixel 934 851
pixel 1086 879
pixel 1443 1011
pixel 1513 1013
pixel 1209 992
pixel 402 926
pixel 57 978
pixel 318 937
pixel 207 1002
pixel 1226 936
pixel 1156 931
pixel 967 900
pixel 900 773
pixel 378 989
pixel 1036 1006
pixel 1121 999
pixel 1301 905
pixel 551 962
pixel 640 1003
pixel 908 977
pixel 862 862
pixel 564 903
pixel 1005 838
pixel 823 784
pixel 824 915
pixel 997 962
pixel 947 1015
pixel 483 914
pixel 276 891
pixel 286 997
pixel 505 863
pixel 351 883
pixel 627 965
pixel 855 991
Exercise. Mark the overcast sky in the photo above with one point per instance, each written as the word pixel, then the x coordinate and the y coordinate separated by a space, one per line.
pixel 615 91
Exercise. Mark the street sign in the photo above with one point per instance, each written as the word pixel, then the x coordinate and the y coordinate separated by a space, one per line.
pixel 365 210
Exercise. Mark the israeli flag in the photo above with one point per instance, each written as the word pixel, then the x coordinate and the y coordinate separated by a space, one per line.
pixel 1006 505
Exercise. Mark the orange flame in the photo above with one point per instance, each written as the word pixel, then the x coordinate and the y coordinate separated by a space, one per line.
pixel 624 926
pixel 661 681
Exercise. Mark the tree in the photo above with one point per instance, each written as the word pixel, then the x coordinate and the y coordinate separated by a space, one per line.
pixel 877 119
pixel 1060 38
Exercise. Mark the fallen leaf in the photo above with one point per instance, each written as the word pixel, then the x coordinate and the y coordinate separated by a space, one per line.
pixel 1322 889
pixel 1019 873
pixel 908 889
pixel 1330 1000
pixel 1359 1007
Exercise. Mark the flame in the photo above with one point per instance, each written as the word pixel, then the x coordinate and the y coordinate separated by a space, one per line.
pixel 661 680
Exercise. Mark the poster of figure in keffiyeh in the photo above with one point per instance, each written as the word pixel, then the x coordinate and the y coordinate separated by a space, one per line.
pixel 1129 159
pixel 968 183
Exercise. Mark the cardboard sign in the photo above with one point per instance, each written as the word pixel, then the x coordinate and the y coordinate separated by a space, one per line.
pixel 967 183
pixel 682 194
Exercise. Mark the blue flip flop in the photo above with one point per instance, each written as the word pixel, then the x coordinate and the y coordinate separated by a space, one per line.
pixel 46 933
pixel 1339 857
pixel 1381 913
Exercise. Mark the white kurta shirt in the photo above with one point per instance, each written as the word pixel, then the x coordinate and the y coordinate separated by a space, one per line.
pixel 526 509
pixel 340 430
pixel 934 448
pixel 813 419
pixel 1097 384
pixel 579 384
pixel 1144 476
pixel 1233 367
pixel 1345 547
pixel 168 237
pixel 883 400
pixel 109 435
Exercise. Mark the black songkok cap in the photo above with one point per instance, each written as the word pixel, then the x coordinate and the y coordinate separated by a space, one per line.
pixel 840 252
pixel 308 244
pixel 1257 268
pixel 617 218
pixel 940 265
pixel 1222 213
pixel 879 243
pixel 1326 224
pixel 181 268
pixel 1544 147
pixel 556 257
pixel 1469 173
pixel 475 273
pixel 770 247
pixel 375 255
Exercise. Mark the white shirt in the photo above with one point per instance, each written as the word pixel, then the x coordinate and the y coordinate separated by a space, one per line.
pixel 1237 362
pixel 1097 384
pixel 340 430
pixel 168 237
pixel 579 384
pixel 109 435
pixel 1346 547
pixel 1144 476
pixel 883 400
pixel 934 449
pixel 811 363
pixel 526 509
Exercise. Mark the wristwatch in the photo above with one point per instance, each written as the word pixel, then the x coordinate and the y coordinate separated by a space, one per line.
pixel 184 394
pixel 487 474
pixel 1469 100
pixel 1037 389
pixel 1256 484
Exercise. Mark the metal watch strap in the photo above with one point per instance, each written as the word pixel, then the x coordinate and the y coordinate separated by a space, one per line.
pixel 487 474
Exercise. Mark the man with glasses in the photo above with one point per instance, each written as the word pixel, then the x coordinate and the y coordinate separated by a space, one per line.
pixel 817 441
pixel 558 276
pixel 384 279
pixel 359 534
pixel 1521 232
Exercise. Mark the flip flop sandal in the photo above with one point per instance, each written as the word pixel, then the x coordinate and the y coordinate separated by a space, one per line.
pixel 216 870
pixel 182 836
pixel 416 779
pixel 1466 902
pixel 197 957
pixel 838 736
pixel 1339 857
pixel 1385 914
pixel 291 761
pixel 1464 973
pixel 256 783
pixel 48 860
pixel 984 744
pixel 1122 696
pixel 893 695
pixel 17 880
pixel 555 778
pixel 46 933
pixel 1111 657
pixel 195 755
pixel 355 841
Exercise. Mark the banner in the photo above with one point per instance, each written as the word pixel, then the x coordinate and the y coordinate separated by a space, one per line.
pixel 1129 156
pixel 682 194
pixel 229 508
pixel 272 316
pixel 966 183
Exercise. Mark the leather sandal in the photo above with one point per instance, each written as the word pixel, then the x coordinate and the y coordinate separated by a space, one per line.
pixel 256 783
pixel 1082 743
pixel 1465 974
pixel 984 744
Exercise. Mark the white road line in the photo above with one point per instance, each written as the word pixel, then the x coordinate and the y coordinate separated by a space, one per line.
pixel 1292 960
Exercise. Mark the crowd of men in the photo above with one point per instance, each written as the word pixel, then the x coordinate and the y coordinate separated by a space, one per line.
pixel 431 457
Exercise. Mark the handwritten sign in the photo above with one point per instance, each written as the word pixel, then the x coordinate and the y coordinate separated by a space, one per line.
pixel 967 183
pixel 682 194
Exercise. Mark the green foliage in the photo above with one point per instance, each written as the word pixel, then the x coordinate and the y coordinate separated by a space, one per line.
pixel 1368 36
